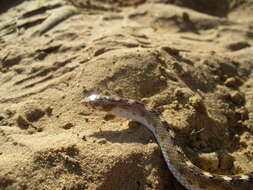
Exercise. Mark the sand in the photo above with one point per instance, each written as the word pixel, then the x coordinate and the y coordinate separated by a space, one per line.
pixel 189 60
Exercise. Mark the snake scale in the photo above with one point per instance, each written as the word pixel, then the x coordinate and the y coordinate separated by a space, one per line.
pixel 189 175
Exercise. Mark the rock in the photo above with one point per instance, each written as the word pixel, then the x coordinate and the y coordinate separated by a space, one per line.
pixel 226 162
pixel 242 113
pixel 238 45
pixel 49 110
pixel 183 92
pixel 209 161
pixel 67 126
pixel 231 82
pixel 34 114
pixel 237 97
pixel 108 117
pixel 22 122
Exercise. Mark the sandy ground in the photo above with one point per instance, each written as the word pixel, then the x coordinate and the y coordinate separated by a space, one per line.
pixel 191 61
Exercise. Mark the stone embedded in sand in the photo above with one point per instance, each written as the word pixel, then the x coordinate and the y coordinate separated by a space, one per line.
pixel 226 162
pixel 231 82
pixel 34 114
pixel 67 125
pixel 208 161
pixel 49 110
pixel 22 122
pixel 237 97
pixel 242 113
pixel 238 45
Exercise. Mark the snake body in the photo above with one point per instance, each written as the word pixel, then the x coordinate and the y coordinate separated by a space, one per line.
pixel 189 175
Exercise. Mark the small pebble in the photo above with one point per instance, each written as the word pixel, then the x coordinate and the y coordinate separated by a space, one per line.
pixel 22 122
pixel 34 114
pixel 226 162
pixel 67 126
pixel 231 82
pixel 209 161
pixel 84 138
pixel 49 110
pixel 237 97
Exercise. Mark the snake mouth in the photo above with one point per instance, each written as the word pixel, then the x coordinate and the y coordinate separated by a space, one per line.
pixel 83 101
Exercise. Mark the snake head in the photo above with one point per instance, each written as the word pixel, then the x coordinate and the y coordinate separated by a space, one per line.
pixel 98 102
pixel 119 107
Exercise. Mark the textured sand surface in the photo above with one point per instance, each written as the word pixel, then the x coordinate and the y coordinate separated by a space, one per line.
pixel 190 60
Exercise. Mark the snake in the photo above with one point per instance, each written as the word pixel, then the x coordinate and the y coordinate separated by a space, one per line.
pixel 189 175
